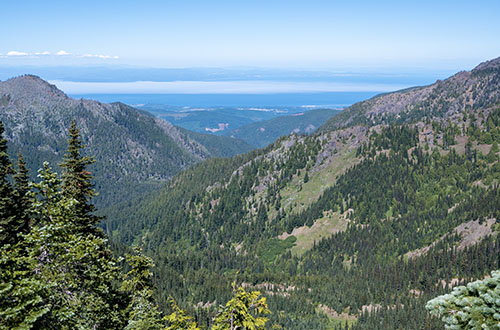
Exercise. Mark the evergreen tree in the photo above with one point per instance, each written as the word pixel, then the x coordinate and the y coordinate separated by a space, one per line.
pixel 21 292
pixel 76 181
pixel 21 302
pixel 143 312
pixel 78 268
pixel 492 154
pixel 8 233
pixel 56 275
pixel 474 306
pixel 21 196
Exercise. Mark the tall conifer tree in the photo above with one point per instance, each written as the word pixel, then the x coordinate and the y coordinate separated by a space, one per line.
pixel 76 181
pixel 22 200
pixel 7 209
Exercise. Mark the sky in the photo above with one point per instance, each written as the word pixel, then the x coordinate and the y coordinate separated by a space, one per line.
pixel 410 37
pixel 271 33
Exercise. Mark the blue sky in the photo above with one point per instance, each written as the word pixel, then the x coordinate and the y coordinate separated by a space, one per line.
pixel 292 34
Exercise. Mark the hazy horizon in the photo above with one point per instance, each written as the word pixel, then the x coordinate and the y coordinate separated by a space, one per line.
pixel 127 80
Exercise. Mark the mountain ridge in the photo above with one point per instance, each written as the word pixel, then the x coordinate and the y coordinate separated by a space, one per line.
pixel 439 98
pixel 133 145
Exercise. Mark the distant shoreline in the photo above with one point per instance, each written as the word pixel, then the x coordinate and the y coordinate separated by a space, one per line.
pixel 305 100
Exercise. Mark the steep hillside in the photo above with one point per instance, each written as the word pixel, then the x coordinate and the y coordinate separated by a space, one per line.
pixel 360 223
pixel 263 133
pixel 133 149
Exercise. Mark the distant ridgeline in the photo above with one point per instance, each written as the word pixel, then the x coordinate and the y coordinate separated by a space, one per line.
pixel 392 202
pixel 135 151
pixel 261 134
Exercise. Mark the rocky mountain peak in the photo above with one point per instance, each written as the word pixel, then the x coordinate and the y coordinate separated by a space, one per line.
pixel 30 86
pixel 493 64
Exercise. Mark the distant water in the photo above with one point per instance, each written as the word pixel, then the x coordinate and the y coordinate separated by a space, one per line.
pixel 326 99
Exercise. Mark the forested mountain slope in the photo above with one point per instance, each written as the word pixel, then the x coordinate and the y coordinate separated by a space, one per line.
pixel 394 201
pixel 134 150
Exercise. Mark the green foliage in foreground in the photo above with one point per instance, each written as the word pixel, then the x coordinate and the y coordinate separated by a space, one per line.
pixel 473 306
pixel 59 272
pixel 178 319
pixel 242 312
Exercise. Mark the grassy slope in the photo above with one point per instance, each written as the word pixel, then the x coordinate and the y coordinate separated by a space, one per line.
pixel 306 237
pixel 298 195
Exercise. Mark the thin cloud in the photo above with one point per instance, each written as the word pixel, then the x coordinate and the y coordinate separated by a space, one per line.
pixel 100 56
pixel 15 53
pixel 62 53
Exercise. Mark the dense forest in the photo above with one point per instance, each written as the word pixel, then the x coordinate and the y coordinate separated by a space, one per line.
pixel 401 197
